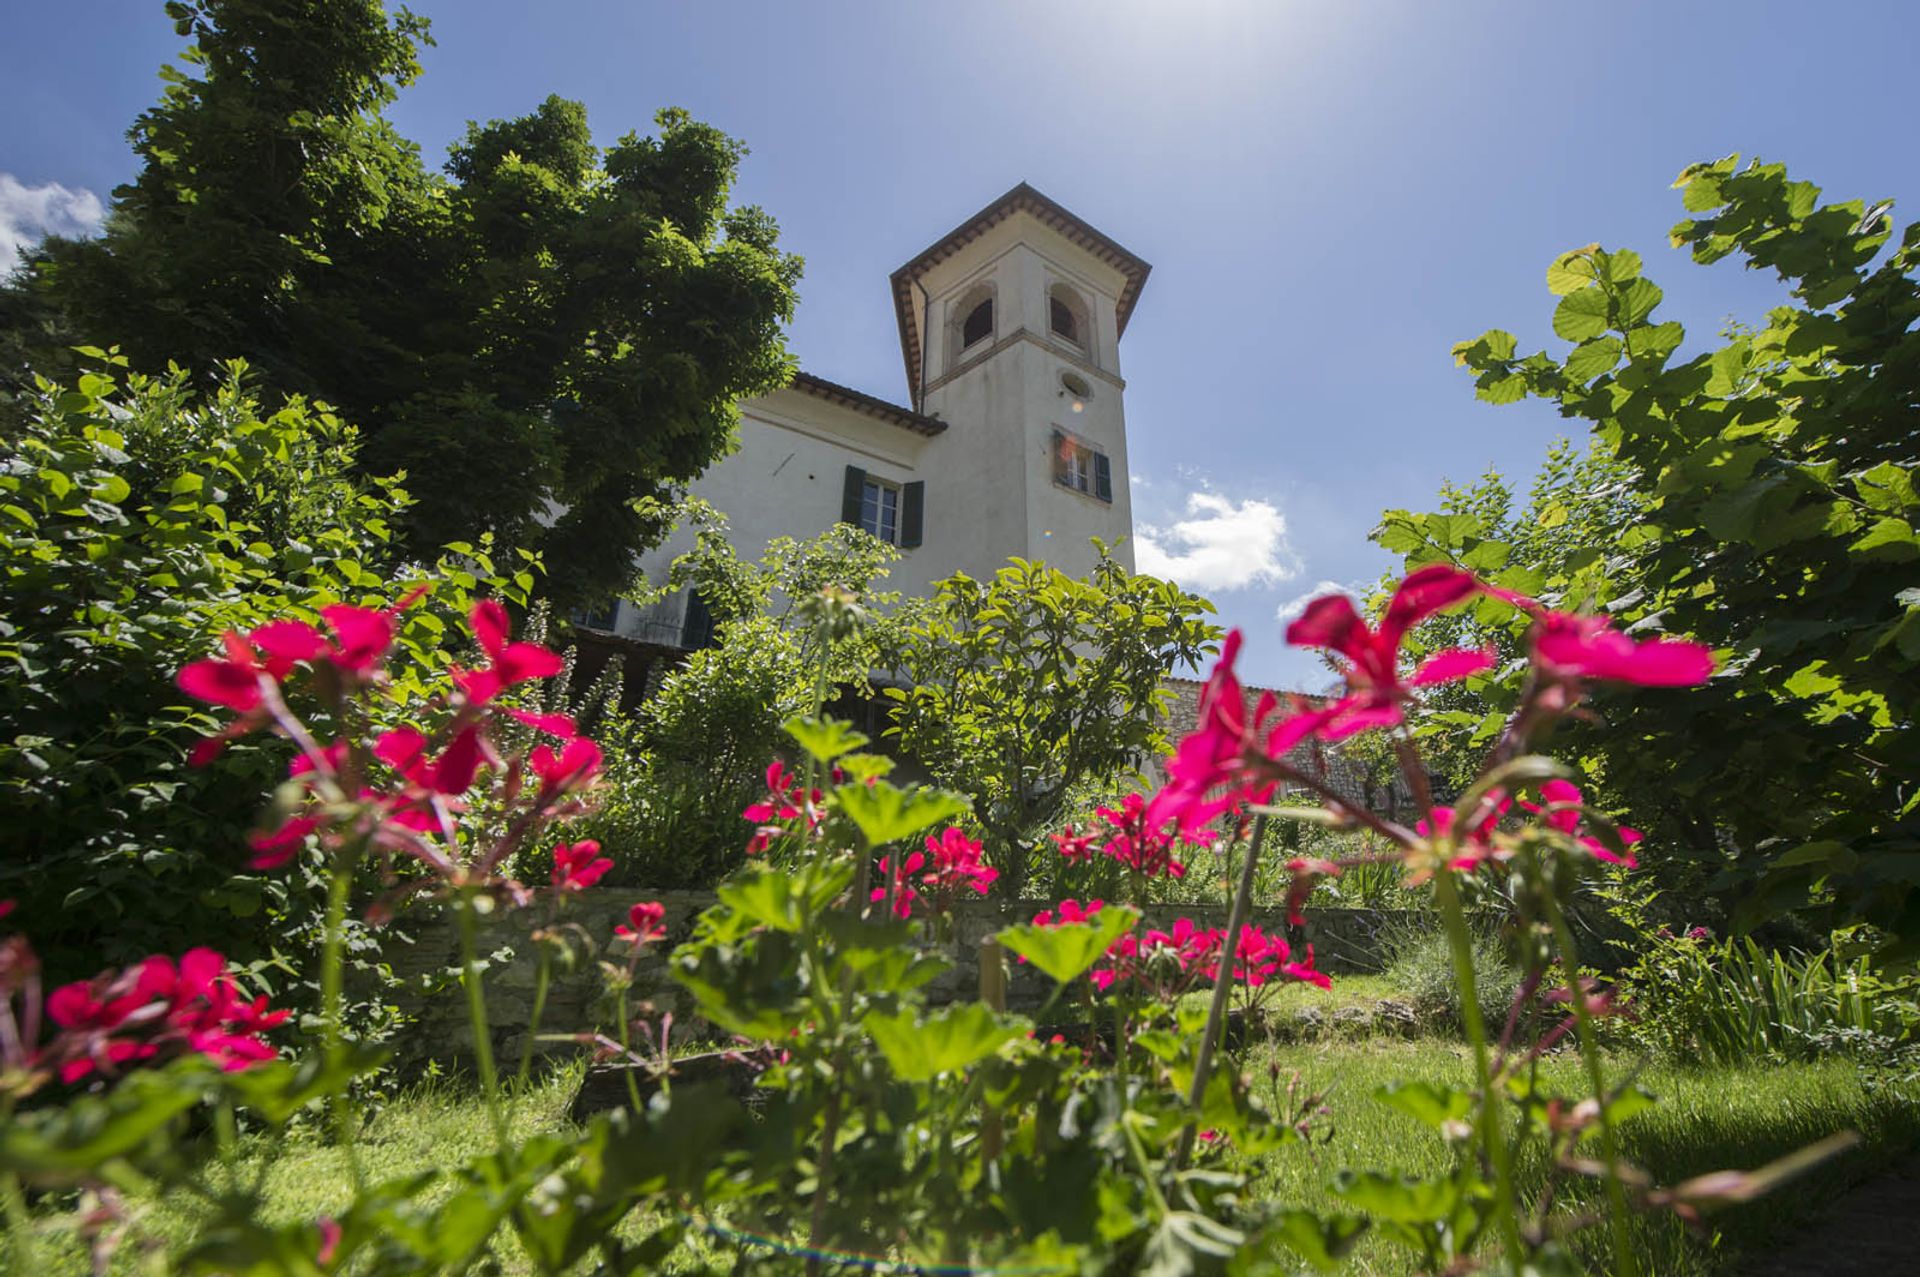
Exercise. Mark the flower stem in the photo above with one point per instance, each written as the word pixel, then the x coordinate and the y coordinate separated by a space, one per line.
pixel 1222 982
pixel 1493 1134
pixel 332 964
pixel 477 1018
pixel 542 977
pixel 1623 1259
pixel 626 1055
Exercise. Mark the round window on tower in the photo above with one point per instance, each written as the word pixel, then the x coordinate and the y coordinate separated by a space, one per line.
pixel 1075 390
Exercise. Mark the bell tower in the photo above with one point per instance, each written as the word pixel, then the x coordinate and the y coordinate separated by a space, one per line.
pixel 1010 328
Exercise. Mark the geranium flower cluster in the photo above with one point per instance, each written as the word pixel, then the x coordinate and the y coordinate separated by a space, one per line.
pixel 406 791
pixel 1135 839
pixel 951 861
pixel 785 803
pixel 158 1010
pixel 1481 841
pixel 1166 963
pixel 1236 756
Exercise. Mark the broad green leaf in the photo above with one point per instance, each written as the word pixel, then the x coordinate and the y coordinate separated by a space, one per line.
pixel 1593 358
pixel 1618 266
pixel 1402 1200
pixel 1581 315
pixel 887 813
pixel 1500 390
pixel 772 898
pixel 1571 271
pixel 1068 951
pixel 1886 539
pixel 825 738
pixel 1834 856
pixel 957 1038
pixel 1435 1105
pixel 1322 1242
pixel 1637 300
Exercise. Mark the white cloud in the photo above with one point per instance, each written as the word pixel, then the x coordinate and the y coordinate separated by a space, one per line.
pixel 1357 591
pixel 1221 544
pixel 28 214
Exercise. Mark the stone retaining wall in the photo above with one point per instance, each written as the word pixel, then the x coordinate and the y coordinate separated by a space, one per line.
pixel 1344 940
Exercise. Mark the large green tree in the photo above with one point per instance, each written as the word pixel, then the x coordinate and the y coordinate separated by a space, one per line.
pixel 1025 687
pixel 541 336
pixel 1770 509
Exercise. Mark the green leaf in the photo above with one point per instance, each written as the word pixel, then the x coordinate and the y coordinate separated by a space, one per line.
pixel 771 898
pixel 1437 1106
pixel 1828 853
pixel 1593 358
pixel 1618 266
pixel 1581 315
pixel 886 813
pixel 1402 1200
pixel 958 1038
pixel 1636 301
pixel 825 738
pixel 1068 951
pixel 1572 271
pixel 1500 390
pixel 1886 539
pixel 1322 1243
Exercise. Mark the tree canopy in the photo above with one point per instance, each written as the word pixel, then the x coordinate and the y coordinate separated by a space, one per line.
pixel 544 335
pixel 1759 496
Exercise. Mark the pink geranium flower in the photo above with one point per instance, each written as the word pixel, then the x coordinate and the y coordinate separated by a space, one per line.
pixel 579 865
pixel 1375 689
pixel 951 861
pixel 507 663
pixel 645 924
pixel 153 1009
pixel 1570 647
pixel 1561 813
pixel 577 763
pixel 1208 774
pixel 785 801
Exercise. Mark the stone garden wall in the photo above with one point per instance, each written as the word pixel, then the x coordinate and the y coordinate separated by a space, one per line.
pixel 1344 940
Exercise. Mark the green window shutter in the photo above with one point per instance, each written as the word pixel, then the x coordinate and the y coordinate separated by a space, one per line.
pixel 913 501
pixel 850 495
pixel 1102 477
pixel 1059 457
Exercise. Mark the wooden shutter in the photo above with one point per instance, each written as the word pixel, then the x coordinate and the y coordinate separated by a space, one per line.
pixel 850 495
pixel 913 501
pixel 1102 477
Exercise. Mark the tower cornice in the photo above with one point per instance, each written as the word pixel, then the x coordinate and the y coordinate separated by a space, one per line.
pixel 1021 199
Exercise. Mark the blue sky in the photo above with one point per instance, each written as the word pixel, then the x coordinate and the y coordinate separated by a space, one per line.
pixel 1331 194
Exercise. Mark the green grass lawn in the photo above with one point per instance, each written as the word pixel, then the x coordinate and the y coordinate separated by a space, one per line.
pixel 1706 1120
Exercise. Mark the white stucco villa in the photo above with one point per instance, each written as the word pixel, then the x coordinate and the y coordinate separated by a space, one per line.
pixel 1015 443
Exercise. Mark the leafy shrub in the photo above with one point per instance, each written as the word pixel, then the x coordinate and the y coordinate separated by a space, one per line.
pixel 1721 1002
pixel 139 520
pixel 1420 964
pixel 684 764
pixel 1026 688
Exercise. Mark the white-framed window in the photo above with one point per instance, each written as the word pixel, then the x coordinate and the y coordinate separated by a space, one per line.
pixel 1076 468
pixel 880 509
pixel 1081 466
